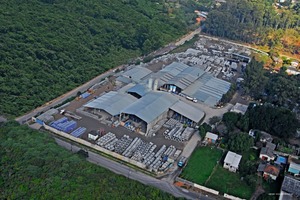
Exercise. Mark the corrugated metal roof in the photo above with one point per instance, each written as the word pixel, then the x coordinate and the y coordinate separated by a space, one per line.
pixel 139 89
pixel 191 112
pixel 151 106
pixel 179 74
pixel 208 89
pixel 112 102
pixel 137 73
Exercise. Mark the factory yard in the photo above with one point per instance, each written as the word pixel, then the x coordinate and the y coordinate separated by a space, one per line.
pixel 148 115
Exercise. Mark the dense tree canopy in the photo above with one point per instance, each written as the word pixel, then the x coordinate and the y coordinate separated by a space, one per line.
pixel 257 22
pixel 48 47
pixel 32 166
pixel 240 142
pixel 277 121
pixel 276 88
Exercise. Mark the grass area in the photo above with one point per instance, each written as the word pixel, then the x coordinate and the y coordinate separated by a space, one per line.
pixel 230 183
pixel 201 164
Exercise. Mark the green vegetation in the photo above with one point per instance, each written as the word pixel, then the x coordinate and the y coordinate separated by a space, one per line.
pixel 201 164
pixel 203 128
pixel 230 183
pixel 257 22
pixel 49 47
pixel 277 121
pixel 276 88
pixel 32 166
pixel 186 45
pixel 240 142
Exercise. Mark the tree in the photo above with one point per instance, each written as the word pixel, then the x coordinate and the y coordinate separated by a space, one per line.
pixel 214 120
pixel 230 119
pixel 203 129
pixel 239 142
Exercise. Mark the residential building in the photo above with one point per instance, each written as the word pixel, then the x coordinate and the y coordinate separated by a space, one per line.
pixel 232 161
pixel 264 136
pixel 211 137
pixel 294 168
pixel 290 189
pixel 271 171
pixel 292 71
pixel 266 154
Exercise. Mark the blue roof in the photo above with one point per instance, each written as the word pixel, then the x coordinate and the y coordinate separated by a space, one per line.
pixel 281 160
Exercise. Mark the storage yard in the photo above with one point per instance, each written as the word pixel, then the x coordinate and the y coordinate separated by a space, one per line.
pixel 148 113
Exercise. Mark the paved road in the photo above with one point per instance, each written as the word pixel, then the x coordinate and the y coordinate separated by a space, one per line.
pixel 128 172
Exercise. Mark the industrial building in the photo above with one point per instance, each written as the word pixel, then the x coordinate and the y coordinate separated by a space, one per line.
pixel 144 98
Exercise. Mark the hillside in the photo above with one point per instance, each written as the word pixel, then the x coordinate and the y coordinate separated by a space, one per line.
pixel 48 47
pixel 274 28
pixel 32 166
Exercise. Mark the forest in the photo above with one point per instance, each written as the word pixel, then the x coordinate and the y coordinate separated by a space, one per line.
pixel 48 47
pixel 259 23
pixel 33 166
pixel 275 88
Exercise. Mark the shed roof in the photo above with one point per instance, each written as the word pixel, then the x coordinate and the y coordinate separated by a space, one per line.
pixel 291 185
pixel 136 73
pixel 111 102
pixel 211 136
pixel 233 159
pixel 140 89
pixel 151 106
pixel 188 111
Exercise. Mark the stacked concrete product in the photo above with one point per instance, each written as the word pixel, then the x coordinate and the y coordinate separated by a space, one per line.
pixel 102 141
pixel 111 145
pixel 187 133
pixel 122 144
pixel 132 147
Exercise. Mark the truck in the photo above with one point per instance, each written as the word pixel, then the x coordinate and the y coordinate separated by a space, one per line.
pixel 182 161
pixel 191 99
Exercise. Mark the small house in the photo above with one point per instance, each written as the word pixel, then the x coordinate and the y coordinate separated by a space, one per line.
pixel 294 168
pixel 211 137
pixel 263 136
pixel 239 108
pixel 232 161
pixel 266 154
pixel 271 171
pixel 93 135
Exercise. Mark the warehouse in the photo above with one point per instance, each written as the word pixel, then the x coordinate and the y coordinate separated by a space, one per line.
pixel 186 113
pixel 134 75
pixel 110 103
pixel 190 81
pixel 148 110
pixel 177 76
pixel 208 89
